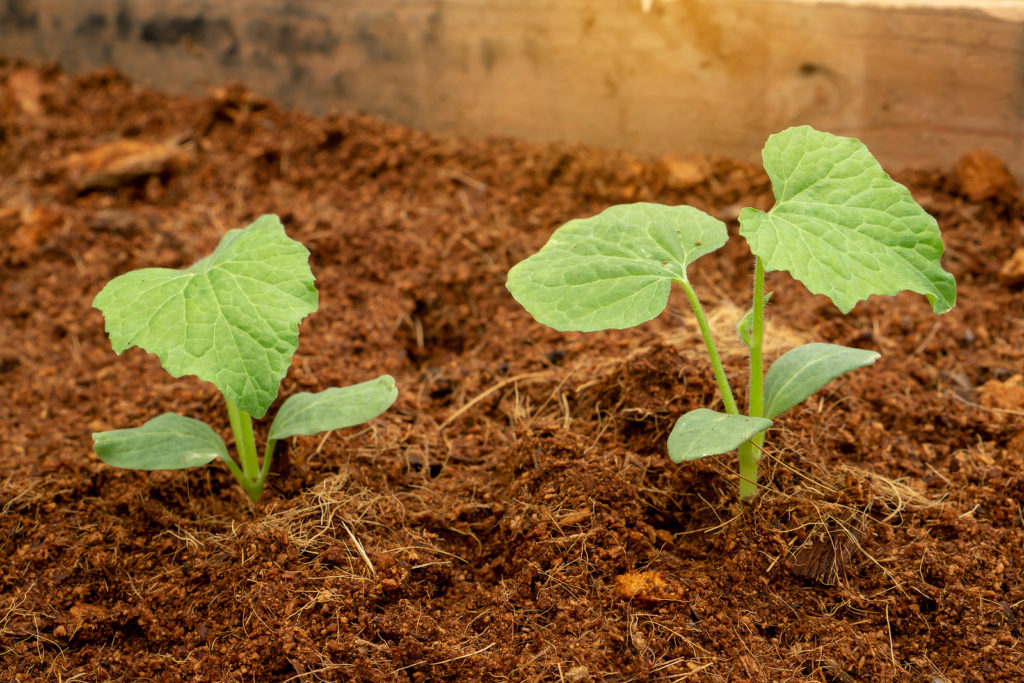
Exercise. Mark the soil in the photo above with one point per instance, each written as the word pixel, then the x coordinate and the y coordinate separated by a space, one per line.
pixel 514 516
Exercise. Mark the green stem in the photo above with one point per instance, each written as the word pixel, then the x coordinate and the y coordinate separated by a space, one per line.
pixel 750 452
pixel 756 406
pixel 748 456
pixel 268 455
pixel 236 472
pixel 252 478
pixel 716 362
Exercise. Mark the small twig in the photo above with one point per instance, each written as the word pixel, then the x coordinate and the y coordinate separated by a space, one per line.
pixel 981 407
pixel 709 529
pixel 479 397
pixel 312 672
pixel 555 391
pixel 892 652
pixel 446 661
pixel 798 473
pixel 465 179
pixel 927 338
pixel 360 550
pixel 969 512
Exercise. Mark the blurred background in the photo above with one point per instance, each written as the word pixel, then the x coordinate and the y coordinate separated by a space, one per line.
pixel 921 82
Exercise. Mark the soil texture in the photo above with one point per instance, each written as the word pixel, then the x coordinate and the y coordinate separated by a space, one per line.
pixel 514 516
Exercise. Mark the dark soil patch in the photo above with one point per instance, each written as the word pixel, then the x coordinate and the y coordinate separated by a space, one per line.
pixel 514 516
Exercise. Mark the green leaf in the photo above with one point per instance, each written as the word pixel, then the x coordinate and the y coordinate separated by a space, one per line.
pixel 800 372
pixel 167 442
pixel 842 226
pixel 705 432
pixel 335 408
pixel 613 270
pixel 230 319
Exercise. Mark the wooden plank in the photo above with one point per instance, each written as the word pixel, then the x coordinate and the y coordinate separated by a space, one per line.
pixel 919 84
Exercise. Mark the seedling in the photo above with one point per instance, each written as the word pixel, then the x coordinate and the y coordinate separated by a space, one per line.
pixel 840 225
pixel 231 319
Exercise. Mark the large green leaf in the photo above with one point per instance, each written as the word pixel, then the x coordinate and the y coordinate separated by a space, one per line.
pixel 230 319
pixel 613 270
pixel 167 442
pixel 704 432
pixel 800 372
pixel 334 408
pixel 842 226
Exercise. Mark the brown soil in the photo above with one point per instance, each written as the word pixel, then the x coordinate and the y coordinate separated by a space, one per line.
pixel 514 515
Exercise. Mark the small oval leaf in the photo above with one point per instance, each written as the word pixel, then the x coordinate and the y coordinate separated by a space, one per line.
pixel 167 442
pixel 704 432
pixel 800 372
pixel 335 408
pixel 613 270
pixel 842 226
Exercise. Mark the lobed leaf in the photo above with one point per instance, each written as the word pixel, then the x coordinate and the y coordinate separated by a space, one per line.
pixel 231 318
pixel 336 408
pixel 842 226
pixel 704 432
pixel 800 372
pixel 167 442
pixel 613 270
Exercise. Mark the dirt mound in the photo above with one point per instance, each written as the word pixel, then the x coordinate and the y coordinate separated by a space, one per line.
pixel 514 516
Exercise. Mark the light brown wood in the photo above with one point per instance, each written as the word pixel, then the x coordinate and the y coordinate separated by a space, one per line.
pixel 919 85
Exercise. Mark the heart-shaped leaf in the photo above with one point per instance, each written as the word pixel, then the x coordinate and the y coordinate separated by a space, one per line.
pixel 167 442
pixel 842 226
pixel 613 270
pixel 230 319
pixel 800 372
pixel 704 432
pixel 334 408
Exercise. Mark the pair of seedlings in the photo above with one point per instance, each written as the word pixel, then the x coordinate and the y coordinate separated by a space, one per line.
pixel 840 225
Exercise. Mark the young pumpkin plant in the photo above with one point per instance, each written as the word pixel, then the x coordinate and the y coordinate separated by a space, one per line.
pixel 231 319
pixel 840 225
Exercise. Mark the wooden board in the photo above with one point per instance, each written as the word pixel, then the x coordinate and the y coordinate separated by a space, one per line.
pixel 920 85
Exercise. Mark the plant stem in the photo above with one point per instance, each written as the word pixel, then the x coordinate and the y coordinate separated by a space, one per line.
pixel 750 452
pixel 268 455
pixel 748 455
pixel 245 443
pixel 756 405
pixel 716 362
